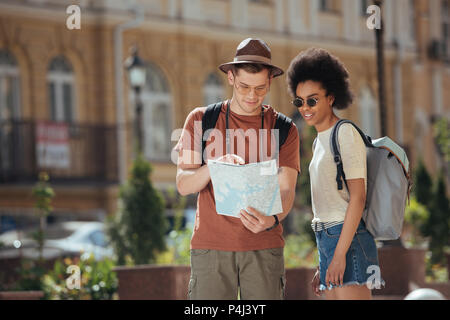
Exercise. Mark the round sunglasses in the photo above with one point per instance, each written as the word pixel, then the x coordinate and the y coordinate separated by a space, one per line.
pixel 299 102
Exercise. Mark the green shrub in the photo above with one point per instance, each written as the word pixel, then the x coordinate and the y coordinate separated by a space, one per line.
pixel 97 280
pixel 31 271
pixel 416 216
pixel 137 232
pixel 423 184
pixel 442 137
pixel 437 227
pixel 30 274
pixel 434 272
pixel 300 251
pixel 43 193
pixel 178 249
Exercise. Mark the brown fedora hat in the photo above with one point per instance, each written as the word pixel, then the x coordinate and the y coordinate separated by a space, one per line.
pixel 254 51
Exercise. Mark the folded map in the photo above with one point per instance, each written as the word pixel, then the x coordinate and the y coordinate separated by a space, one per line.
pixel 253 185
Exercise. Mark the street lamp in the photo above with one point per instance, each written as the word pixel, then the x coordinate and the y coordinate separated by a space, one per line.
pixel 379 39
pixel 136 74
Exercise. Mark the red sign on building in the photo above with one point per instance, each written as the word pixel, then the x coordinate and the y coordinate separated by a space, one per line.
pixel 52 145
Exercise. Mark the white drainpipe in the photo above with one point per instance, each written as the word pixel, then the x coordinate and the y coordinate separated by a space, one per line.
pixel 120 114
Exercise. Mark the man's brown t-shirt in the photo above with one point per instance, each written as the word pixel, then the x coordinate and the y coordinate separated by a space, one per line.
pixel 219 232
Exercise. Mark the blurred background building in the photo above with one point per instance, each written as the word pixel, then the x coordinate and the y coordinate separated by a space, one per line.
pixel 60 109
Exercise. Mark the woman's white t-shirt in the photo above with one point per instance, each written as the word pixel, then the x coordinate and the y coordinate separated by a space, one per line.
pixel 328 203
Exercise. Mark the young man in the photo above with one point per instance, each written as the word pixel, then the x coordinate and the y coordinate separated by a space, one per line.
pixel 227 253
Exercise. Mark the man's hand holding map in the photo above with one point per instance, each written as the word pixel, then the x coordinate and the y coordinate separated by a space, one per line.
pixel 238 187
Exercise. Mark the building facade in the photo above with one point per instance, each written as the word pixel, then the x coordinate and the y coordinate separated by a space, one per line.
pixel 61 110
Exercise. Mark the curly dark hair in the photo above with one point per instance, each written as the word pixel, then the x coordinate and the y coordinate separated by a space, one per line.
pixel 319 65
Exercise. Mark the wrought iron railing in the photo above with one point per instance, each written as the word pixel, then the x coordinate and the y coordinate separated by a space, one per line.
pixel 67 152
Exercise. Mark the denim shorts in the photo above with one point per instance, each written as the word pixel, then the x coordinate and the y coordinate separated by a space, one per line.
pixel 362 267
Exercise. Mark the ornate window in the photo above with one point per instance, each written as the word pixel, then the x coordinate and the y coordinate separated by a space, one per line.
pixel 157 115
pixel 9 110
pixel 61 90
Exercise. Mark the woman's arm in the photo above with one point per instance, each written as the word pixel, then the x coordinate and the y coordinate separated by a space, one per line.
pixel 356 188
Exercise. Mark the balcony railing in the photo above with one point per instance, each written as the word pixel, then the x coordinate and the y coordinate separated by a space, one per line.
pixel 72 153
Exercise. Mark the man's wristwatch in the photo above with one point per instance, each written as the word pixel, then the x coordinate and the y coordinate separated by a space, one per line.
pixel 277 222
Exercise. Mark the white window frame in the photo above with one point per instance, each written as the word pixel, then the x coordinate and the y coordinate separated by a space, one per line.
pixel 11 71
pixel 149 100
pixel 59 79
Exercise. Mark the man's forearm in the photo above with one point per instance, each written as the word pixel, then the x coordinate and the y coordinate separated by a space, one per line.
pixel 287 200
pixel 192 180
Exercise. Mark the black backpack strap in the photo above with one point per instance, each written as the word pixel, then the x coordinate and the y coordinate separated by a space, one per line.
pixel 212 112
pixel 209 121
pixel 334 144
pixel 283 124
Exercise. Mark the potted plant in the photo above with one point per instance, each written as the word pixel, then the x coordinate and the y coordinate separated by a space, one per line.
pixel 137 233
pixel 31 271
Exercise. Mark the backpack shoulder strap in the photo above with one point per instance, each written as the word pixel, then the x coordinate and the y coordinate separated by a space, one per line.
pixel 283 124
pixel 209 121
pixel 334 146
pixel 212 112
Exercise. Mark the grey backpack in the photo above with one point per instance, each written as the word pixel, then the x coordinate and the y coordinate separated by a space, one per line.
pixel 388 183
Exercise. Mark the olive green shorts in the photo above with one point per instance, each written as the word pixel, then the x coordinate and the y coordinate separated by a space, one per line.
pixel 223 275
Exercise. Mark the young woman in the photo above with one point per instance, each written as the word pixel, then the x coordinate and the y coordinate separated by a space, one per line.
pixel 348 257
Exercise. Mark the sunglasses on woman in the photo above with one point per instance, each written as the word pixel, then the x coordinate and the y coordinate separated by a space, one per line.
pixel 299 102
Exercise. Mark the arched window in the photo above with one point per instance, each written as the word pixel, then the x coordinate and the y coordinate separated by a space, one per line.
pixel 61 90
pixel 9 87
pixel 213 90
pixel 157 115
pixel 369 115
pixel 9 110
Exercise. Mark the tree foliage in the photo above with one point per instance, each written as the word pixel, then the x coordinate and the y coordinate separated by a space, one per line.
pixel 138 230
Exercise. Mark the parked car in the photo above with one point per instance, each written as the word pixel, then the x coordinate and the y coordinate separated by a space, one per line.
pixel 62 239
